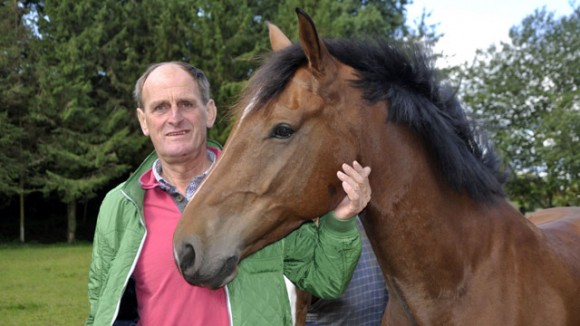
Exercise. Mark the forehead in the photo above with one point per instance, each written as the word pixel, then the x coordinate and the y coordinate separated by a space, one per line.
pixel 167 82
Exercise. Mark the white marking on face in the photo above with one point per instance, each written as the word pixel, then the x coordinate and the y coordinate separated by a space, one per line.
pixel 250 105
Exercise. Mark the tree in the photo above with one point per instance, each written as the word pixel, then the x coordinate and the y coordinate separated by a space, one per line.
pixel 528 93
pixel 84 117
pixel 19 160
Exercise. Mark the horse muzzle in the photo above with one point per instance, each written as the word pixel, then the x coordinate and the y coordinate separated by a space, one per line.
pixel 212 269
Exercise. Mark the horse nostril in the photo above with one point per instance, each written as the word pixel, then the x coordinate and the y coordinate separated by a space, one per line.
pixel 230 264
pixel 187 257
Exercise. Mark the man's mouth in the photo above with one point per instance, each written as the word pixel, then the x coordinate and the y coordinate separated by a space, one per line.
pixel 177 133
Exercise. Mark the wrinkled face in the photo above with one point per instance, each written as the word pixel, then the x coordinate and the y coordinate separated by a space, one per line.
pixel 174 115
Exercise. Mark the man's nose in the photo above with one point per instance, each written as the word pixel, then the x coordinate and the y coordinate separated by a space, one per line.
pixel 176 113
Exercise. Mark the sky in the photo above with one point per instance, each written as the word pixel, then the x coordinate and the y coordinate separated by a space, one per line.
pixel 469 25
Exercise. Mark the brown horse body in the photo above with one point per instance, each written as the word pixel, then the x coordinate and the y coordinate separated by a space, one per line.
pixel 452 253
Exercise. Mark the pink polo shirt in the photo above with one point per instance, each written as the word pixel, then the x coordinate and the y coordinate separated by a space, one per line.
pixel 163 296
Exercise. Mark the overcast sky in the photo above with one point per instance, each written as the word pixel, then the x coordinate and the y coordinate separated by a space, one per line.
pixel 471 25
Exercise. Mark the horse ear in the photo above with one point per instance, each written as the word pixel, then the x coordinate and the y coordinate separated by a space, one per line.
pixel 278 40
pixel 313 46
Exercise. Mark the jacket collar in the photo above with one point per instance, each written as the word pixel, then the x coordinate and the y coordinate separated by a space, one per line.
pixel 132 187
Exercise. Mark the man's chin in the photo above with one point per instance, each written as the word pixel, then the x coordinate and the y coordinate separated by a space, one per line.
pixel 177 155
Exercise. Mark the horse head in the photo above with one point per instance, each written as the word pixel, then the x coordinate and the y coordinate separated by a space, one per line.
pixel 253 196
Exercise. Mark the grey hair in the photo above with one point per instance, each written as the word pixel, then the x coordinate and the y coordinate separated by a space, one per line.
pixel 197 74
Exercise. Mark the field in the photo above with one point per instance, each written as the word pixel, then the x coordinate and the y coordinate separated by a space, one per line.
pixel 44 285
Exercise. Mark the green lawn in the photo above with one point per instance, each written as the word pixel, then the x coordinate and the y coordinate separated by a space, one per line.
pixel 44 285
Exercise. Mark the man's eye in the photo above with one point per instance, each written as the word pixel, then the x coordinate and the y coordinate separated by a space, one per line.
pixel 186 104
pixel 282 131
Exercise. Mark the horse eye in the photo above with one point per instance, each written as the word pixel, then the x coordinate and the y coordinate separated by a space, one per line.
pixel 282 131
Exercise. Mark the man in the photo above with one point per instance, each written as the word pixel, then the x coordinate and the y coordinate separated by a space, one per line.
pixel 133 238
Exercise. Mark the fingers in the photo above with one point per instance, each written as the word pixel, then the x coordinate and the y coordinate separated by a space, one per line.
pixel 355 184
pixel 356 171
pixel 355 180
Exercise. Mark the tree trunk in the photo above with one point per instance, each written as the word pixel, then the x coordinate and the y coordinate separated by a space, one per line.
pixel 22 238
pixel 72 221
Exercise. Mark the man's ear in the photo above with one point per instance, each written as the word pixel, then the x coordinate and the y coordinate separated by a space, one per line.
pixel 142 121
pixel 211 113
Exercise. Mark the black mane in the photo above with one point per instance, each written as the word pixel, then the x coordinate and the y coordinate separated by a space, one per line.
pixel 404 76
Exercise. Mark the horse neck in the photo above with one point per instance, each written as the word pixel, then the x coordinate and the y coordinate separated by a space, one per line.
pixel 425 234
pixel 415 220
pixel 404 178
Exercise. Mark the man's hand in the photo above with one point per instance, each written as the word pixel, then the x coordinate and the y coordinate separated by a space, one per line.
pixel 355 182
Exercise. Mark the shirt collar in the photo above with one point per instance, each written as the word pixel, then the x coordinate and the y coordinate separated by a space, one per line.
pixel 193 184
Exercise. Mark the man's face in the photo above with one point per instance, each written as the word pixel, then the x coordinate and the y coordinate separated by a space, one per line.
pixel 174 116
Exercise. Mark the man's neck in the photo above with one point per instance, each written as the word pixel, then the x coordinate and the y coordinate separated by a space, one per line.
pixel 180 174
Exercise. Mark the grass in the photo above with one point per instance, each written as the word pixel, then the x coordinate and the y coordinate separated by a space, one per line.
pixel 44 285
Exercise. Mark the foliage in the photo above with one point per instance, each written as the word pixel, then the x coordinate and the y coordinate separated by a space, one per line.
pixel 82 106
pixel 44 285
pixel 13 93
pixel 79 108
pixel 528 93
pixel 348 18
pixel 20 162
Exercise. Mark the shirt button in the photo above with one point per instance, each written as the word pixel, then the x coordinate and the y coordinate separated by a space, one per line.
pixel 179 198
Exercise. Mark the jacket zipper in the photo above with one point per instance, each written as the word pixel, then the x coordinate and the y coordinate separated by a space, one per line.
pixel 141 220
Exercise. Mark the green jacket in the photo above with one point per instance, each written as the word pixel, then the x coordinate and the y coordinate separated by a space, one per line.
pixel 319 259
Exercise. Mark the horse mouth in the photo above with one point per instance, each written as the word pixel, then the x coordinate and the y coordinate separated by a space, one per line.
pixel 213 280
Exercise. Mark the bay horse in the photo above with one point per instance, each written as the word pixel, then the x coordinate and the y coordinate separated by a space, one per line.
pixel 453 250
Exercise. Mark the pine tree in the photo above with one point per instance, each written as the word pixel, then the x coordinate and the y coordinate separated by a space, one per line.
pixel 19 160
pixel 85 119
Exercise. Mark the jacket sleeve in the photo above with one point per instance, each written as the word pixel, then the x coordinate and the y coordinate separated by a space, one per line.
pixel 101 258
pixel 320 259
